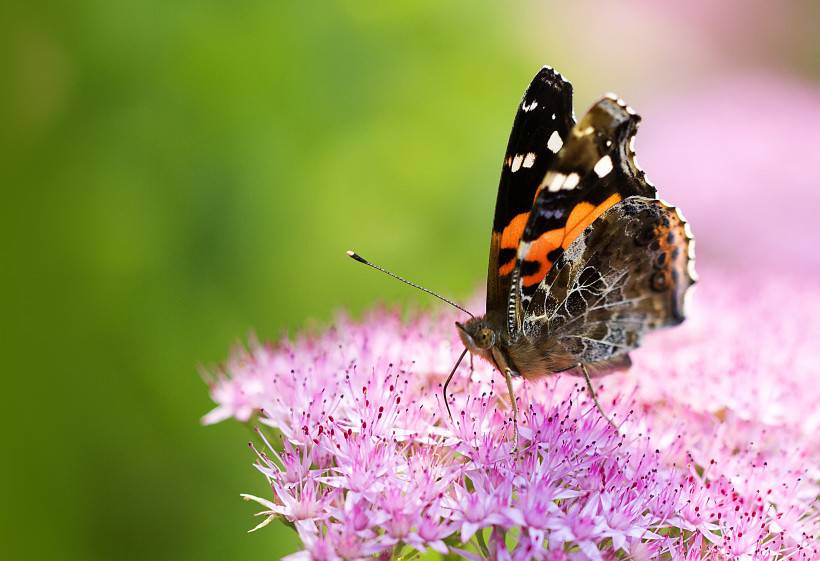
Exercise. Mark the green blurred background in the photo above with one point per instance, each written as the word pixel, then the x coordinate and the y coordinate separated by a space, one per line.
pixel 177 175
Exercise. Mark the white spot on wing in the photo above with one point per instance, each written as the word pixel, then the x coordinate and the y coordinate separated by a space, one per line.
pixel 516 163
pixel 554 143
pixel 572 180
pixel 529 107
pixel 603 167
pixel 556 182
pixel 529 160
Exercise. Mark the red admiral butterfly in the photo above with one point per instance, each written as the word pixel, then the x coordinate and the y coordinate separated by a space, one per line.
pixel 584 258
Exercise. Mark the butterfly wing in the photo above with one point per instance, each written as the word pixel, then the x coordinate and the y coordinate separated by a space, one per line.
pixel 541 124
pixel 624 275
pixel 594 170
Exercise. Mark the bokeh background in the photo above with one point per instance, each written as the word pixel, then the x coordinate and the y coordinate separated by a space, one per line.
pixel 177 175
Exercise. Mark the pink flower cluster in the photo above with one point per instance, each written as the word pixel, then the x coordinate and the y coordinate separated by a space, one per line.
pixel 716 455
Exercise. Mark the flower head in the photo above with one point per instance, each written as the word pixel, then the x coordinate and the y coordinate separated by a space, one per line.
pixel 716 455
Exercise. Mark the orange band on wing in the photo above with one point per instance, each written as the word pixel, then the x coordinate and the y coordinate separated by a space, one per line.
pixel 581 216
pixel 507 267
pixel 514 230
pixel 510 238
pixel 585 214
pixel 538 251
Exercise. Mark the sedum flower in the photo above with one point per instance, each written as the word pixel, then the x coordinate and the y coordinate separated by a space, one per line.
pixel 716 455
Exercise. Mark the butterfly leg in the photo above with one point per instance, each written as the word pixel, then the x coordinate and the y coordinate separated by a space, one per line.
pixel 583 368
pixel 447 383
pixel 508 377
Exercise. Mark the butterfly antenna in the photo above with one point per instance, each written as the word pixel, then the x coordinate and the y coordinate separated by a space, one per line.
pixel 360 259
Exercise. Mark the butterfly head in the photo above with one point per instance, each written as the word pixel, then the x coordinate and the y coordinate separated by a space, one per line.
pixel 477 335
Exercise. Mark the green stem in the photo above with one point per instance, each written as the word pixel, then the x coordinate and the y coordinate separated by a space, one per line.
pixel 479 535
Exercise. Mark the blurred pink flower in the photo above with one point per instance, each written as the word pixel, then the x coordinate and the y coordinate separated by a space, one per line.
pixel 716 456
pixel 740 157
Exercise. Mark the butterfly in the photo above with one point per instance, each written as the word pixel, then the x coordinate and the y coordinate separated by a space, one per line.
pixel 584 258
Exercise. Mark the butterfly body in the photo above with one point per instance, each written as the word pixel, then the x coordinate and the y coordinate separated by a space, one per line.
pixel 584 258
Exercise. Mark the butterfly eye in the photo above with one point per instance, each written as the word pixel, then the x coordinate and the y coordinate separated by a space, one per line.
pixel 486 338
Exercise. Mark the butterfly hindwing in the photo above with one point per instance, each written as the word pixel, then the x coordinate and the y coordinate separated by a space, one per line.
pixel 595 170
pixel 542 122
pixel 625 274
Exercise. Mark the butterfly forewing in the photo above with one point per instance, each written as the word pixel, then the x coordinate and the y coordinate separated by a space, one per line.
pixel 541 125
